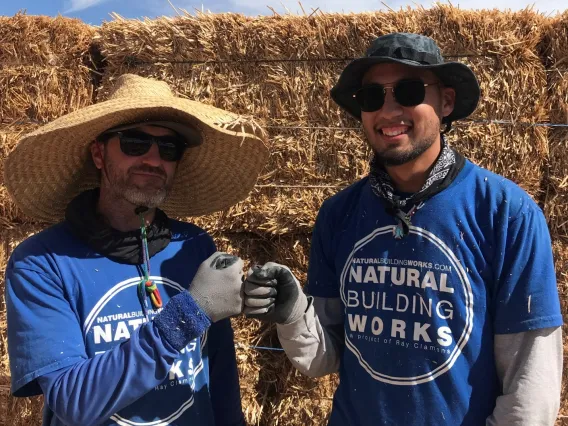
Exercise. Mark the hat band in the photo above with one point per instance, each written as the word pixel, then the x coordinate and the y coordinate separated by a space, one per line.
pixel 407 54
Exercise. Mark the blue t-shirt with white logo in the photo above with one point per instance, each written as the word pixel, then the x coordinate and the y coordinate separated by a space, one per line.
pixel 421 311
pixel 67 303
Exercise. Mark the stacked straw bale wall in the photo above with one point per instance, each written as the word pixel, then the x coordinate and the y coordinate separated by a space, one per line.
pixel 44 73
pixel 279 69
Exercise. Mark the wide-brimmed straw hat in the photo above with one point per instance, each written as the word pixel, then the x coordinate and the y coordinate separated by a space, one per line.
pixel 53 164
pixel 417 51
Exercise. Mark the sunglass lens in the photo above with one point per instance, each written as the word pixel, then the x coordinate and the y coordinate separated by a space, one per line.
pixel 410 92
pixel 134 146
pixel 170 151
pixel 370 98
pixel 139 143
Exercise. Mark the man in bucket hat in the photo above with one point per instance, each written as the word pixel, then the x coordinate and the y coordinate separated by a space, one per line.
pixel 119 314
pixel 431 281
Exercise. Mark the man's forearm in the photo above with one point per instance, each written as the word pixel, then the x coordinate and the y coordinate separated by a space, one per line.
pixel 91 391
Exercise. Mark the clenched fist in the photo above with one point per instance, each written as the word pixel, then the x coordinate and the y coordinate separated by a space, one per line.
pixel 272 293
pixel 218 286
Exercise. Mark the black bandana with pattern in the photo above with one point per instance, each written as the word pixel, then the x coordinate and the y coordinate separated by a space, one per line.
pixel 447 166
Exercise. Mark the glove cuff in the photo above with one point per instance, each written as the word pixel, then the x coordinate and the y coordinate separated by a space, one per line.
pixel 181 321
pixel 299 309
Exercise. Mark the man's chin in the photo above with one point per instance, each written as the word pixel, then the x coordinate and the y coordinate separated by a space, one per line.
pixel 396 158
pixel 145 197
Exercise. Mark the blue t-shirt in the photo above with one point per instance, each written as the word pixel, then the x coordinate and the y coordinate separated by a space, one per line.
pixel 67 304
pixel 421 312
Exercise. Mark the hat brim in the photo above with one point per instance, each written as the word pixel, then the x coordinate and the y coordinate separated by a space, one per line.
pixel 452 74
pixel 53 164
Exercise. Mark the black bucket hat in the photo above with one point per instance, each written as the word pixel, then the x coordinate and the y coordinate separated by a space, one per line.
pixel 417 51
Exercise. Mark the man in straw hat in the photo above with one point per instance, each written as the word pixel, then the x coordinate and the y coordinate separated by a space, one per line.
pixel 119 314
pixel 431 281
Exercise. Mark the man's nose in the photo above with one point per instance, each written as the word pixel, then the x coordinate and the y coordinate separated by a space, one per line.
pixel 391 108
pixel 152 157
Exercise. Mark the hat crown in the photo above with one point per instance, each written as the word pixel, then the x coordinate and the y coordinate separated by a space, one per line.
pixel 406 46
pixel 132 86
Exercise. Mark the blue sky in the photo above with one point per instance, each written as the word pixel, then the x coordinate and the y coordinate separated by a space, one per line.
pixel 96 11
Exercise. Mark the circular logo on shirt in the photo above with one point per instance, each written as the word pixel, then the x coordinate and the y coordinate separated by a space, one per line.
pixel 113 319
pixel 408 306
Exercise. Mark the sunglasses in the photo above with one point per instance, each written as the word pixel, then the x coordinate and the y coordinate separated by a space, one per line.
pixel 407 93
pixel 135 143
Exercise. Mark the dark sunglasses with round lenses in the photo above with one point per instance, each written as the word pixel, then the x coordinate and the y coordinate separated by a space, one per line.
pixel 135 143
pixel 407 93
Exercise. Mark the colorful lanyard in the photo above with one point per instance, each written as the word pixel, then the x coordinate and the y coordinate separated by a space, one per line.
pixel 146 285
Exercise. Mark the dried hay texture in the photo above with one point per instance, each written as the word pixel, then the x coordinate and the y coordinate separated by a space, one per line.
pixel 557 187
pixel 45 67
pixel 44 41
pixel 299 58
pixel 556 54
pixel 280 69
pixel 36 94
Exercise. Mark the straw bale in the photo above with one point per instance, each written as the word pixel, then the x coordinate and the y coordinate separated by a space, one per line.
pixel 557 185
pixel 555 53
pixel 503 46
pixel 22 411
pixel 271 210
pixel 33 93
pixel 553 47
pixel 44 41
pixel 273 392
pixel 298 92
pixel 558 94
pixel 317 35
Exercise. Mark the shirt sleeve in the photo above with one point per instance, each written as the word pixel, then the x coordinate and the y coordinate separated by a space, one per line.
pixel 525 296
pixel 44 334
pixel 79 394
pixel 314 343
pixel 529 366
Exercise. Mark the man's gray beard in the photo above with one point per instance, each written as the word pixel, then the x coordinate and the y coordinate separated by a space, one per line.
pixel 120 189
pixel 138 197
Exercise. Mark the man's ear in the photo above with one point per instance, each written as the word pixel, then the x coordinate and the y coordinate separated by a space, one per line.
pixel 448 101
pixel 97 152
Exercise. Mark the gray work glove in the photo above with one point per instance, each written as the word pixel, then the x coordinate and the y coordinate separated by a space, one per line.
pixel 218 286
pixel 272 293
